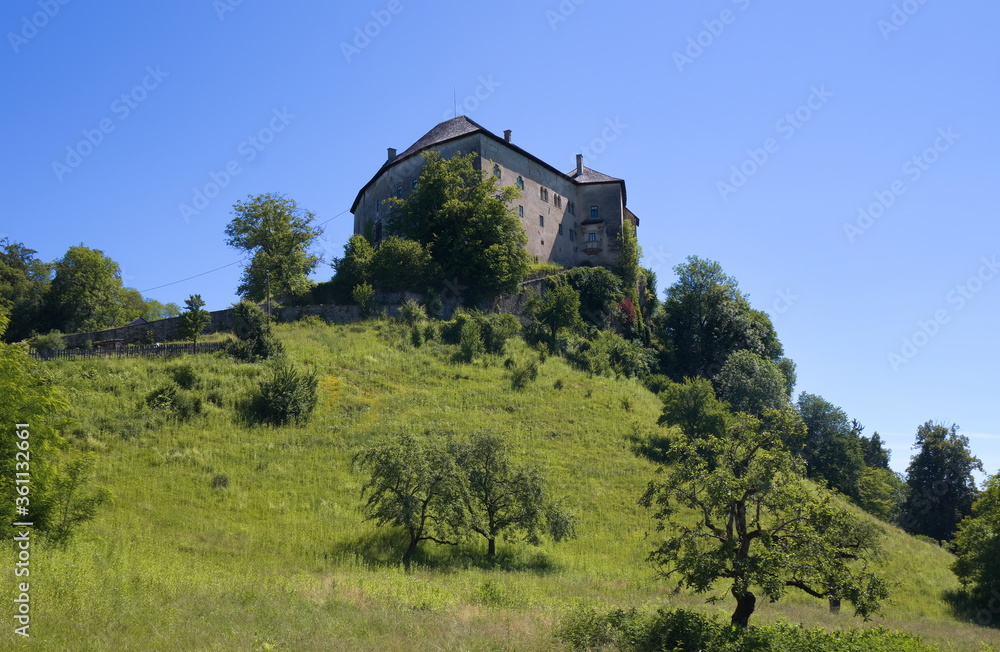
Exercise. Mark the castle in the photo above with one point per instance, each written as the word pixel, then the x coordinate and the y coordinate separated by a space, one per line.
pixel 571 218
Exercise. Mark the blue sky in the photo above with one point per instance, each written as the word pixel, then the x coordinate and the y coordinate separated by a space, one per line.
pixel 838 159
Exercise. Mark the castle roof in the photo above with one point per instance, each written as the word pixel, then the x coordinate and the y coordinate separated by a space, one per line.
pixel 462 126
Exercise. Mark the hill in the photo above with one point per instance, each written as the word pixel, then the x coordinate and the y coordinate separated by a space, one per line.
pixel 221 536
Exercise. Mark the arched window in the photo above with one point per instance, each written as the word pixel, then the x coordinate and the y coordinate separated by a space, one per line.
pixel 496 170
pixel 520 183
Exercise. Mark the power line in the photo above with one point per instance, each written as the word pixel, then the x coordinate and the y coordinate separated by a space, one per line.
pixel 235 262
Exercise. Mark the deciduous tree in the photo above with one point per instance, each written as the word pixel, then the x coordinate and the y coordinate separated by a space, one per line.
pixel 977 546
pixel 193 320
pixel 86 292
pixel 832 450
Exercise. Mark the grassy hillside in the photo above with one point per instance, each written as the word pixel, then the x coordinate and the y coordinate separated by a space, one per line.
pixel 224 537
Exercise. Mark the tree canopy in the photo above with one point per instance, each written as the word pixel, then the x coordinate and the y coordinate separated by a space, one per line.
pixel 758 523
pixel 832 449
pixel 86 293
pixel 977 545
pixel 193 320
pixel 277 234
pixel 459 214
pixel 939 477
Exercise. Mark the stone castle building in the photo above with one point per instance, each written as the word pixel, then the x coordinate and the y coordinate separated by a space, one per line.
pixel 571 218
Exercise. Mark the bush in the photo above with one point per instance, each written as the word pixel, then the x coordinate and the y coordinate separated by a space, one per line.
pixel 416 336
pixel 494 329
pixel 610 354
pixel 471 343
pixel 287 396
pixel 52 341
pixel 364 296
pixel 399 265
pixel 185 377
pixel 522 372
pixel 599 290
pixel 681 630
pixel 412 312
pixel 256 341
pixel 182 405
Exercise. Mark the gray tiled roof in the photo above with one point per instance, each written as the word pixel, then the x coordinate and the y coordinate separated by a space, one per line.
pixel 447 130
pixel 590 176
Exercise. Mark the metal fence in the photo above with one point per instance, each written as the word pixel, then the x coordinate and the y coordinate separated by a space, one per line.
pixel 127 351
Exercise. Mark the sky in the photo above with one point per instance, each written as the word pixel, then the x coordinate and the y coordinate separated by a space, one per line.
pixel 837 159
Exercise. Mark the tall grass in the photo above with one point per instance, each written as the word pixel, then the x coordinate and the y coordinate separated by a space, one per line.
pixel 280 559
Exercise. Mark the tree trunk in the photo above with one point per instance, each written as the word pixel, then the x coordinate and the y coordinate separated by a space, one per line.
pixel 492 551
pixel 745 604
pixel 408 555
pixel 835 605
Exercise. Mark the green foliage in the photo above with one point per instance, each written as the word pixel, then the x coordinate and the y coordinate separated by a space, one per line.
pixel 750 383
pixel 74 501
pixel 400 265
pixel 880 493
pixel 183 405
pixel 977 546
pixel 470 344
pixel 412 312
pixel 277 234
pixel 86 292
pixel 494 329
pixel 502 498
pixel 193 320
pixel 364 296
pixel 353 269
pixel 942 488
pixel 629 254
pixel 255 340
pixel 681 630
pixel 832 450
pixel 761 525
pixel 873 448
pixel 705 318
pixel 52 341
pixel 558 309
pixel 415 484
pixel 464 220
pixel 287 396
pixel 609 354
pixel 599 289
pixel 523 370
pixel 693 407
pixel 24 281
pixel 416 335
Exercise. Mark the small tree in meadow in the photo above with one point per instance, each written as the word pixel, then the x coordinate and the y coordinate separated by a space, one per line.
pixel 193 320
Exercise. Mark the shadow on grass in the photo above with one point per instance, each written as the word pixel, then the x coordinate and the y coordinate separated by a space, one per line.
pixel 385 548
pixel 979 611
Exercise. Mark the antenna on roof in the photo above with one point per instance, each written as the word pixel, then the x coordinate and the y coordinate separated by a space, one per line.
pixel 454 92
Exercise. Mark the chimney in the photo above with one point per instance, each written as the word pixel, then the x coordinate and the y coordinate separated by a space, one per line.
pixel 506 135
pixel 392 153
pixel 579 164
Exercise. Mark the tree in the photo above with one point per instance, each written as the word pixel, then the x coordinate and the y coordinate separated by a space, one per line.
pixel 23 282
pixel 278 235
pixel 558 309
pixel 873 449
pixel 600 290
pixel 705 318
pixel 750 383
pixel 832 450
pixel 502 498
pixel 461 216
pixel 60 497
pixel 977 546
pixel 193 320
pixel 693 407
pixel 414 484
pixel 353 269
pixel 758 524
pixel 942 488
pixel 400 265
pixel 364 296
pixel 86 292
pixel 255 341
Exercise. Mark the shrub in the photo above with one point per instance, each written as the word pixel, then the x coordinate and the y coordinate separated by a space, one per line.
pixel 599 290
pixel 416 336
pixel 52 341
pixel 286 396
pixel 523 372
pixel 256 341
pixel 494 329
pixel 399 265
pixel 609 353
pixel 181 404
pixel 412 312
pixel 220 481
pixel 185 376
pixel 364 296
pixel 471 343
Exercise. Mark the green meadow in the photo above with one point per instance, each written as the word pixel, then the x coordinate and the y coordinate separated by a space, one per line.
pixel 221 536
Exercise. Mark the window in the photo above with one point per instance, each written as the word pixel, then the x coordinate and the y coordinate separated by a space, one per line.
pixel 593 212
pixel 520 212
pixel 496 170
pixel 572 235
pixel 541 220
pixel 378 206
pixel 560 229
pixel 543 193
pixel 591 237
pixel 557 200
pixel 378 231
pixel 399 191
pixel 413 185
pixel 520 183
pixel 571 207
